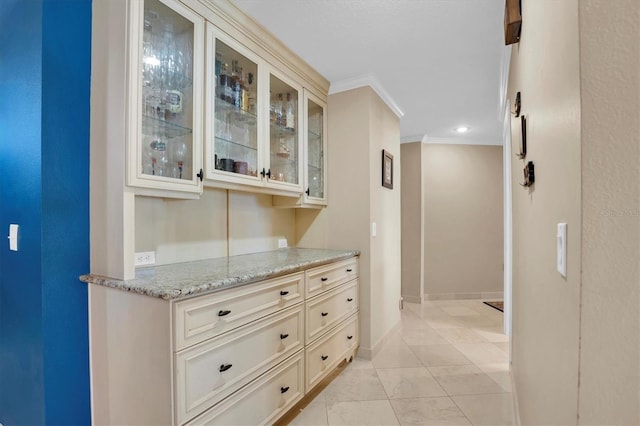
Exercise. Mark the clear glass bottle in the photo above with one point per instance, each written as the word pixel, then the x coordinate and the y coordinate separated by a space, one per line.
pixel 290 117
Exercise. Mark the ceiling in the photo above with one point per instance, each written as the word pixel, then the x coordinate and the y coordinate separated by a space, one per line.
pixel 441 61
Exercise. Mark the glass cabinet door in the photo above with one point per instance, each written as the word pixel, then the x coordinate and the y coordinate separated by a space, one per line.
pixel 315 117
pixel 284 126
pixel 170 100
pixel 235 86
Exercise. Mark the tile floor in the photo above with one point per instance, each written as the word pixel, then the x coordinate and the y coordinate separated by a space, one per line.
pixel 447 365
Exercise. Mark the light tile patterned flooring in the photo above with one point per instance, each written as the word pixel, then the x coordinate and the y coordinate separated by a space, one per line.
pixel 447 365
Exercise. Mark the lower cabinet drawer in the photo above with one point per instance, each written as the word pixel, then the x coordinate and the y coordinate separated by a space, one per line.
pixel 263 401
pixel 208 372
pixel 323 355
pixel 323 312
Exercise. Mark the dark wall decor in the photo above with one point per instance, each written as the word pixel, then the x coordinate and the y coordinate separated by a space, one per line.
pixel 387 169
pixel 529 175
pixel 523 138
pixel 512 22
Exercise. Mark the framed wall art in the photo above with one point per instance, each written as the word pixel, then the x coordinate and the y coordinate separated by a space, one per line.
pixel 387 169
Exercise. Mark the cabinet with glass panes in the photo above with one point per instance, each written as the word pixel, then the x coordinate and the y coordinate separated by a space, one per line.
pixel 253 121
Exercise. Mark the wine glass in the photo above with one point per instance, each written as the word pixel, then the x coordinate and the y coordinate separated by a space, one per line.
pixel 180 155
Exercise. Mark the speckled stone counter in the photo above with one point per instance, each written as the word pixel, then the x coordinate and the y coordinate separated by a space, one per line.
pixel 181 280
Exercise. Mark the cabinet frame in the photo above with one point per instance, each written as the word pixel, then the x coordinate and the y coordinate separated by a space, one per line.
pixel 307 199
pixel 133 117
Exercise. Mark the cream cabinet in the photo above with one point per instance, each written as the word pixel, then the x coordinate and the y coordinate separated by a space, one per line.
pixel 242 355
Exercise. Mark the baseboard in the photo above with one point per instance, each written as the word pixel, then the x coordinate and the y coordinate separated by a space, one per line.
pixel 514 395
pixel 492 295
pixel 412 299
pixel 369 353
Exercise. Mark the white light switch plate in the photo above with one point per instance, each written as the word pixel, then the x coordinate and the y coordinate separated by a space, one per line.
pixel 282 243
pixel 374 229
pixel 13 237
pixel 561 238
pixel 145 258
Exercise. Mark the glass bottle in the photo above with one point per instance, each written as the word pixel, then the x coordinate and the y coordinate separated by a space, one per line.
pixel 290 116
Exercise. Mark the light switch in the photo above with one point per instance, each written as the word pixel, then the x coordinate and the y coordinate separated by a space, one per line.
pixel 13 237
pixel 374 229
pixel 561 237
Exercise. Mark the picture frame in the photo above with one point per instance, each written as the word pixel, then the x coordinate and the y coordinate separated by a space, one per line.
pixel 387 169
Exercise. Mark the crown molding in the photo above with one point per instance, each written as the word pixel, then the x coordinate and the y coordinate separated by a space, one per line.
pixel 460 141
pixel 362 81
pixel 414 138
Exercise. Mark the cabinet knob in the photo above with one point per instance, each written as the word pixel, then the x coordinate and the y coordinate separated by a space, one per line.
pixel 263 173
pixel 349 270
pixel 269 173
pixel 225 367
pixel 323 279
pixel 324 314
pixel 349 299
pixel 308 191
pixel 223 313
pixel 324 357
pixel 284 336
pixel 284 293
pixel 349 337
pixel 201 175
pixel 284 389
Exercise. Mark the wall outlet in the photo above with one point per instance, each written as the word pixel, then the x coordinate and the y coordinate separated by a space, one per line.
pixel 401 303
pixel 282 243
pixel 145 258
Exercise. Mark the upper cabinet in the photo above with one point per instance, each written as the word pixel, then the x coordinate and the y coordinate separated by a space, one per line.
pixel 213 99
pixel 165 97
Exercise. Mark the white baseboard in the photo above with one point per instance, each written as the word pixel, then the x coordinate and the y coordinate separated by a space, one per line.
pixel 514 395
pixel 412 299
pixel 493 295
pixel 369 353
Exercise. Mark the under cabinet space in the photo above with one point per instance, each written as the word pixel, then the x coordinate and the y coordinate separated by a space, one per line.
pixel 212 370
pixel 263 401
pixel 200 318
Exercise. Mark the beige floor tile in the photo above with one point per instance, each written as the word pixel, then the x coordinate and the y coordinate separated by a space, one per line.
pixel 500 373
pixel 460 335
pixel 487 409
pixel 473 321
pixel 424 336
pixel 443 321
pixel 355 385
pixel 503 346
pixel 409 383
pixel 412 321
pixel 394 356
pixel 464 380
pixel 459 310
pixel 428 411
pixel 314 414
pixel 492 334
pixel 439 355
pixel 360 364
pixel 482 353
pixel 361 413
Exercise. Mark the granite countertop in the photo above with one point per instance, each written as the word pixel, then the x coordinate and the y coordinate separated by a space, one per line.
pixel 180 280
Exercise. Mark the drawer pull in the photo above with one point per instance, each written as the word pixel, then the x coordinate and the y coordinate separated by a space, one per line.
pixel 349 337
pixel 323 279
pixel 284 293
pixel 225 367
pixel 284 336
pixel 223 313
pixel 284 389
pixel 324 357
pixel 349 270
pixel 349 299
pixel 324 314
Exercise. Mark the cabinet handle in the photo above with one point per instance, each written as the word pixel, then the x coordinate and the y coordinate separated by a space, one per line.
pixel 284 336
pixel 284 293
pixel 201 175
pixel 349 299
pixel 308 191
pixel 324 357
pixel 284 389
pixel 223 313
pixel 349 270
pixel 349 337
pixel 323 279
pixel 324 314
pixel 225 367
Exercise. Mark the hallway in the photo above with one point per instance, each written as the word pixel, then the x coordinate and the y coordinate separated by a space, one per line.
pixel 447 365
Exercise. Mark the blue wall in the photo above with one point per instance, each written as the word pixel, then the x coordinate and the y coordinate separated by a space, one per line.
pixel 44 157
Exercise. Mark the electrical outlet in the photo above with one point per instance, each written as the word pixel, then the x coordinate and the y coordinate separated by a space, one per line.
pixel 282 243
pixel 145 258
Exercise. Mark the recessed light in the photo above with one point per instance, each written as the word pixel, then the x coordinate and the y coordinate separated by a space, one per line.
pixel 462 129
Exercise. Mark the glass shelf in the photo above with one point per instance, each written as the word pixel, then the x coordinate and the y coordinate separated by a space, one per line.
pixel 166 129
pixel 279 131
pixel 314 135
pixel 235 143
pixel 236 114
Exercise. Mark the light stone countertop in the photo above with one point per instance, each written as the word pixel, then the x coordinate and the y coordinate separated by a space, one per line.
pixel 181 280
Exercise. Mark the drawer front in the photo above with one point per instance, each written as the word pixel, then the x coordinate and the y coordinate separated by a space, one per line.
pixel 204 317
pixel 328 309
pixel 326 353
pixel 329 276
pixel 263 401
pixel 210 371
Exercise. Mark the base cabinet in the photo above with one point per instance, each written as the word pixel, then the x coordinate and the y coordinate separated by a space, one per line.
pixel 244 355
